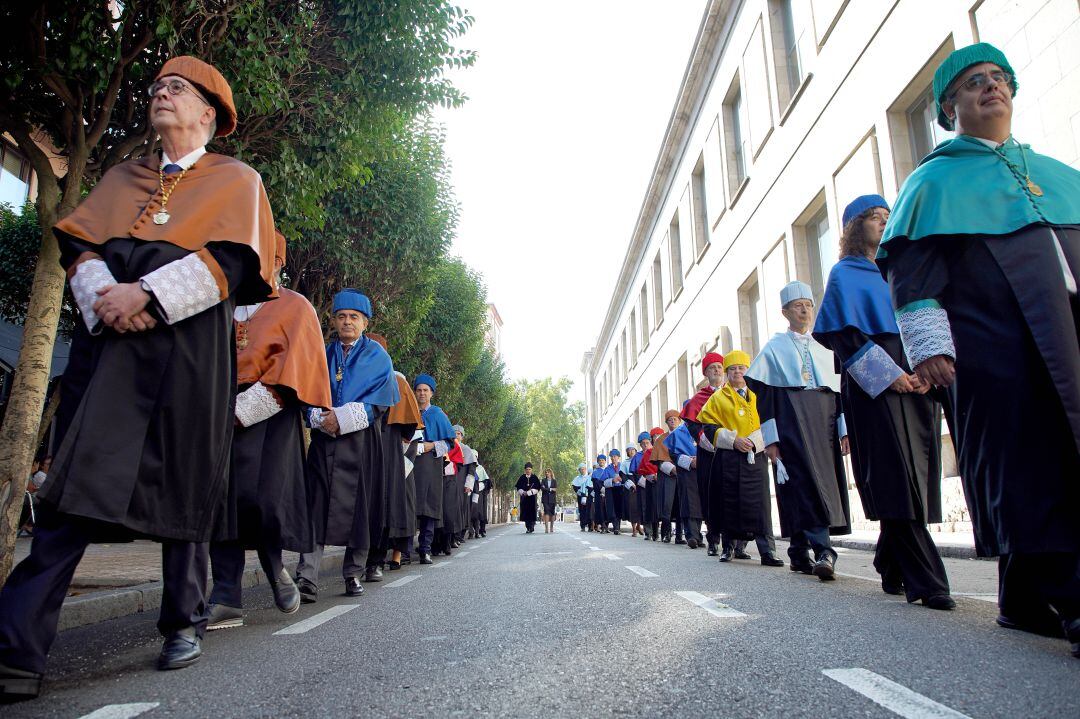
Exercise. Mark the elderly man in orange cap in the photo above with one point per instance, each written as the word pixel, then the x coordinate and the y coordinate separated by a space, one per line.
pixel 158 256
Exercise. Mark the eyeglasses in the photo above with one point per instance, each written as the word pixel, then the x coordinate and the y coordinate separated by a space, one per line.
pixel 981 79
pixel 175 87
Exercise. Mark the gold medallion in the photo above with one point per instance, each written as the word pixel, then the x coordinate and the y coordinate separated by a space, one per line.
pixel 1034 189
pixel 241 335
pixel 160 218
pixel 742 412
pixel 806 376
pixel 339 375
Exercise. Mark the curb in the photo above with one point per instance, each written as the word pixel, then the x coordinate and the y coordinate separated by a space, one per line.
pixel 99 606
pixel 952 551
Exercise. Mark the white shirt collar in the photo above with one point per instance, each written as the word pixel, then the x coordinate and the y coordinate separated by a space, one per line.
pixel 187 160
pixel 990 143
pixel 798 336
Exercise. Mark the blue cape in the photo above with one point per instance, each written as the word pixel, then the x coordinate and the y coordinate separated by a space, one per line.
pixel 581 481
pixel 635 462
pixel 681 441
pixel 856 296
pixel 603 473
pixel 367 375
pixel 437 425
pixel 779 364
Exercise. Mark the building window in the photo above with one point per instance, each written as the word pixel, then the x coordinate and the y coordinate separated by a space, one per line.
pixel 14 177
pixel 685 388
pixel 788 22
pixel 625 364
pixel 658 291
pixel 643 304
pixel 737 143
pixel 662 392
pixel 698 209
pixel 649 424
pixel 925 133
pixel 675 254
pixel 750 315
pixel 633 338
pixel 815 248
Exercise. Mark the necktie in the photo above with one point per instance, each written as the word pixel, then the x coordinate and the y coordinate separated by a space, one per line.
pixel 742 392
pixel 345 349
pixel 172 168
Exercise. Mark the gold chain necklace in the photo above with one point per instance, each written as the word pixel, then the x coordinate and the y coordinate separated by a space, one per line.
pixel 1031 186
pixel 162 216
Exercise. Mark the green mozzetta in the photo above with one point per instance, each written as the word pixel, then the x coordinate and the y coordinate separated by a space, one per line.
pixel 918 305
pixel 964 187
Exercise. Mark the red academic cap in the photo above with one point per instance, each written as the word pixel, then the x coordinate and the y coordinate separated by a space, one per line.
pixel 655 432
pixel 711 358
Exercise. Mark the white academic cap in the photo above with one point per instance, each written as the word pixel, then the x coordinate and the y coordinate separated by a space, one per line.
pixel 795 291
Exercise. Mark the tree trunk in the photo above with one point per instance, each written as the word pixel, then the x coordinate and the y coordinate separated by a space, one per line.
pixel 19 433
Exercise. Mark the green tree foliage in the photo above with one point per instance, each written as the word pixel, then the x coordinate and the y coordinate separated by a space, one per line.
pixel 20 241
pixel 556 430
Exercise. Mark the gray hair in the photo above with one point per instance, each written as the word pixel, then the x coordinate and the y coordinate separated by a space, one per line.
pixel 459 429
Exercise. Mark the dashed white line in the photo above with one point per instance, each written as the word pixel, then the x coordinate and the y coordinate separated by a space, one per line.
pixel 595 549
pixel 120 711
pixel 641 571
pixel 403 581
pixel 443 564
pixel 314 621
pixel 613 557
pixel 462 554
pixel 710 605
pixel 895 697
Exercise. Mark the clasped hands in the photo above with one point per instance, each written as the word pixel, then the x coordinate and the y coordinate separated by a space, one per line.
pixel 938 370
pixel 123 307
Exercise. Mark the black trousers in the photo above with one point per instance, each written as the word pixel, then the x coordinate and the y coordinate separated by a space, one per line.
pixel 31 600
pixel 692 528
pixel 1030 585
pixel 816 538
pixel 227 568
pixel 905 552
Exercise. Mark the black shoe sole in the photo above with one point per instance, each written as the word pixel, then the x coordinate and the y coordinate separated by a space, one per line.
pixel 1054 631
pixel 181 664
pixel 19 689
pixel 825 574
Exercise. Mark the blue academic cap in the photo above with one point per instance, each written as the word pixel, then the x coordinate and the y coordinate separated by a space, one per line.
pixel 350 299
pixel 795 291
pixel 424 379
pixel 644 436
pixel 861 204
pixel 615 452
pixel 601 456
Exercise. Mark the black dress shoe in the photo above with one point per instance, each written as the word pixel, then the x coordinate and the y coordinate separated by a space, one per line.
pixel 372 574
pixel 1072 633
pixel 180 649
pixel 771 560
pixel 309 593
pixel 825 568
pixel 223 616
pixel 446 551
pixel 18 685
pixel 425 558
pixel 939 601
pixel 891 586
pixel 406 559
pixel 742 554
pixel 286 593
pixel 725 556
pixel 353 587
pixel 393 566
pixel 803 565
pixel 666 540
pixel 680 541
pixel 712 550
pixel 1049 627
pixel 692 543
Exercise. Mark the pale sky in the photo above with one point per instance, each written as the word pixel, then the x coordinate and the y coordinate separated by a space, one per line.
pixel 568 103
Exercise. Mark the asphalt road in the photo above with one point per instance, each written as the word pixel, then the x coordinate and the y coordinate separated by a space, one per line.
pixel 585 625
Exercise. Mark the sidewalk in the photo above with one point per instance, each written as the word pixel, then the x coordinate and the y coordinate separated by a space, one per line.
pixel 114 580
pixel 956 545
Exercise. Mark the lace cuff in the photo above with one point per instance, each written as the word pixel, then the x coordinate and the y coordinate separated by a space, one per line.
pixel 725 438
pixel 873 369
pixel 255 404
pixel 667 468
pixel 90 276
pixel 925 330
pixel 441 448
pixel 769 433
pixel 182 288
pixel 315 418
pixel 351 417
pixel 705 444
pixel 684 461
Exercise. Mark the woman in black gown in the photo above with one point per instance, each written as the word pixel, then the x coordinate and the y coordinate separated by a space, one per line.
pixel 548 498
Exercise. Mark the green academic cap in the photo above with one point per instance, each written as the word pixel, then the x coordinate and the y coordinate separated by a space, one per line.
pixel 960 60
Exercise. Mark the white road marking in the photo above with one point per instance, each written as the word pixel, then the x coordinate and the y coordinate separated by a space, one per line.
pixel 992 598
pixel 859 576
pixel 641 571
pixel 462 554
pixel 443 564
pixel 403 581
pixel 710 605
pixel 595 549
pixel 613 557
pixel 314 621
pixel 895 697
pixel 120 711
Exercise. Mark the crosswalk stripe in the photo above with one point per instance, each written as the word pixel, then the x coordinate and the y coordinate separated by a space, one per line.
pixel 895 697
pixel 462 554
pixel 641 571
pixel 314 621
pixel 120 711
pixel 710 605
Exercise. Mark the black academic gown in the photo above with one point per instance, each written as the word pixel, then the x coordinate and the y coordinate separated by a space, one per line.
pixel 268 497
pixel 667 495
pixel 340 473
pixel 816 493
pixel 895 438
pixel 527 503
pixel 634 500
pixel 400 505
pixel 548 495
pixel 1015 404
pixel 428 474
pixel 688 502
pixel 737 493
pixel 150 398
pixel 597 503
